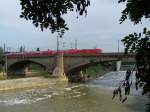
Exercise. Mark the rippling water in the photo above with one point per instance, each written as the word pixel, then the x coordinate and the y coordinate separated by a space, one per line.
pixel 94 96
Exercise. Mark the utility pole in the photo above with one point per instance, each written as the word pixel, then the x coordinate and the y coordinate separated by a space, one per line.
pixel 4 48
pixel 71 45
pixel 76 44
pixel 57 44
pixel 63 45
pixel 118 47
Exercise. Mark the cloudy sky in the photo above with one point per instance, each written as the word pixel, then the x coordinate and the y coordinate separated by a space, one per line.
pixel 99 29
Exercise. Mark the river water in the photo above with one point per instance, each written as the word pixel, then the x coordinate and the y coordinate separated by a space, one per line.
pixel 94 96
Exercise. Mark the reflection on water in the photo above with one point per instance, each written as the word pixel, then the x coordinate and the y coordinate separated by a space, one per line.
pixel 95 96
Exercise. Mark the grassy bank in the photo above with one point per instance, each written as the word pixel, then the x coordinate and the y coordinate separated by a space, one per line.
pixel 35 67
pixel 97 70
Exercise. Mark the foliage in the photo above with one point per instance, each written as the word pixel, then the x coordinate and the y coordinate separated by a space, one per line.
pixel 140 44
pixel 22 49
pixel 96 70
pixel 125 84
pixel 1 53
pixel 135 10
pixel 38 49
pixel 48 14
pixel 1 58
pixel 35 67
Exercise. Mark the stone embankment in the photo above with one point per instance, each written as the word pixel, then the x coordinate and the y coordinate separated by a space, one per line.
pixel 27 83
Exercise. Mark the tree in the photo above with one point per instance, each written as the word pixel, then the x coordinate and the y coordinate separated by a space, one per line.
pixel 21 49
pixel 1 59
pixel 1 53
pixel 38 49
pixel 48 14
pixel 135 10
pixel 139 43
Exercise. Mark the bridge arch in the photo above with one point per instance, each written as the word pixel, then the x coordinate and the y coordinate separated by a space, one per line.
pixel 76 74
pixel 19 68
pixel 79 67
pixel 85 65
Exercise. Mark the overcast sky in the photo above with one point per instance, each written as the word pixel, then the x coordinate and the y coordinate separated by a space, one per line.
pixel 99 29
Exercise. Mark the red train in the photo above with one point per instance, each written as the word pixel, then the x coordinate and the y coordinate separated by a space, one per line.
pixel 52 52
pixel 82 51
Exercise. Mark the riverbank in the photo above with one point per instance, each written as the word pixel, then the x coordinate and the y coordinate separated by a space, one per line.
pixel 95 72
pixel 31 82
pixel 3 76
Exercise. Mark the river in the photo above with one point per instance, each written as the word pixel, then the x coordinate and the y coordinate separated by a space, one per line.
pixel 93 96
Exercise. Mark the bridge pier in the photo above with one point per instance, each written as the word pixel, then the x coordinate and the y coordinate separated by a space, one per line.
pixel 77 77
pixel 58 71
pixel 118 65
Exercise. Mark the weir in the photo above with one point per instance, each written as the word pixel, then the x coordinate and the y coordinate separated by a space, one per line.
pixel 118 65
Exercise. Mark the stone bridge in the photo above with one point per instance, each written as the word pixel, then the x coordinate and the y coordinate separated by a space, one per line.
pixel 70 63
